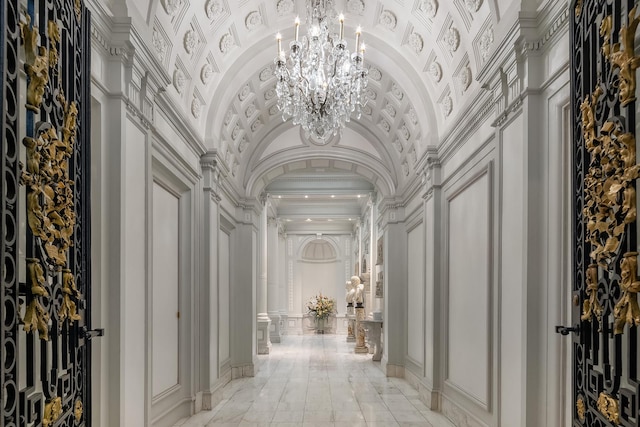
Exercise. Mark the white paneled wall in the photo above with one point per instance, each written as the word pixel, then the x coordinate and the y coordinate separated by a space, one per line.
pixel 493 291
pixel 316 278
pixel 431 346
pixel 512 274
pixel 133 257
pixel 224 282
pixel 469 290
pixel 165 290
pixel 415 295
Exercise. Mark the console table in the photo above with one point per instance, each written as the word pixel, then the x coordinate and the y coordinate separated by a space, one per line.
pixel 373 328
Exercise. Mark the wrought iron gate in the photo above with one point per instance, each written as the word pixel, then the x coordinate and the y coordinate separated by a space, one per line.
pixel 44 353
pixel 606 315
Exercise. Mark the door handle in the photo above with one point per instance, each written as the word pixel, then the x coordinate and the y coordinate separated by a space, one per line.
pixel 565 330
pixel 91 333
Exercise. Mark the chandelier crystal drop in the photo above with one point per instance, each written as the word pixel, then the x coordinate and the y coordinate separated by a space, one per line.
pixel 319 83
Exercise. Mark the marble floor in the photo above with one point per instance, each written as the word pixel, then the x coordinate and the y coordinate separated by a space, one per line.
pixel 317 380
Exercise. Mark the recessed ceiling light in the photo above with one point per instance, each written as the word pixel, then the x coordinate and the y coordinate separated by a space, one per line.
pixel 330 220
pixel 306 197
pixel 279 197
pixel 350 219
pixel 308 219
pixel 333 196
pixel 359 196
pixel 288 220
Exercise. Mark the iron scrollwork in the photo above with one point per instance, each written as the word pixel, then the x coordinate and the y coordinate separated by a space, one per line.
pixel 45 182
pixel 606 171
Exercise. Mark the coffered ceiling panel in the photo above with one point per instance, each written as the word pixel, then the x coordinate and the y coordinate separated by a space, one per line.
pixel 422 56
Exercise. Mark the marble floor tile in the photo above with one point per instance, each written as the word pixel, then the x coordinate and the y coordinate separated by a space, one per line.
pixel 318 381
pixel 377 416
pixel 288 417
pixel 318 416
pixel 408 416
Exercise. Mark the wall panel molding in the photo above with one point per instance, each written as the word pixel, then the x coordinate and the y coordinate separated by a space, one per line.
pixel 470 204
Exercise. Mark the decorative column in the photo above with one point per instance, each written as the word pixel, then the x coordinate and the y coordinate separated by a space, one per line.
pixel 371 262
pixel 282 278
pixel 243 301
pixel 359 260
pixel 273 294
pixel 395 301
pixel 213 171
pixel 431 190
pixel 264 323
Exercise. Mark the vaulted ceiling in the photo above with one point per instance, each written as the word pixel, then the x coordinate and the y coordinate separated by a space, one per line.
pixel 423 56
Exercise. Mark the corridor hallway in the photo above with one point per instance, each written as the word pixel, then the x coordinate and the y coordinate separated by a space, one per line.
pixel 317 380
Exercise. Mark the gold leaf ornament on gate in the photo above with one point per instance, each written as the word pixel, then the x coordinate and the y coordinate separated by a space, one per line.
pixel 77 6
pixel 36 65
pixel 610 196
pixel 578 9
pixel 77 410
pixel 52 412
pixel 580 408
pixel 50 207
pixel 69 292
pixel 626 310
pixel 50 213
pixel 623 59
pixel 591 306
pixel 53 31
pixel 608 406
pixel 36 317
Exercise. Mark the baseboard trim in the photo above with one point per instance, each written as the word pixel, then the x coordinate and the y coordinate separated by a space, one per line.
pixel 212 397
pixel 243 371
pixel 391 370
pixel 430 397
pixel 458 415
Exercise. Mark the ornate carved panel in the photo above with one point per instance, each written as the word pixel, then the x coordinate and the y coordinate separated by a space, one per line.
pixel 605 165
pixel 45 213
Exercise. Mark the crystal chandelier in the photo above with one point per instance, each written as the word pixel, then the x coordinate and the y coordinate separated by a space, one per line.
pixel 319 84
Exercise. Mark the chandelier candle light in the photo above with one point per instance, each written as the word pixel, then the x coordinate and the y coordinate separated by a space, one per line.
pixel 320 84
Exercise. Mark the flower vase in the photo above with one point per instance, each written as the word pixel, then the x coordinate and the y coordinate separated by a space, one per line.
pixel 319 325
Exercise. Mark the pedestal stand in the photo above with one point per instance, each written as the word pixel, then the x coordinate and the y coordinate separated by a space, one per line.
pixel 360 346
pixel 320 325
pixel 264 340
pixel 351 328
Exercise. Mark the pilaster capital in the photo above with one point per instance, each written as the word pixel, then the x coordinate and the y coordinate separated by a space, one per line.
pixel 372 199
pixel 430 174
pixel 391 210
pixel 264 199
pixel 214 171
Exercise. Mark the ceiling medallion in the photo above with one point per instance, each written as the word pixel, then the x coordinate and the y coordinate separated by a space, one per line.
pixel 319 83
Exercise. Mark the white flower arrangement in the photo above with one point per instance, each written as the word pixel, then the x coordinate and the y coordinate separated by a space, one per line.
pixel 321 306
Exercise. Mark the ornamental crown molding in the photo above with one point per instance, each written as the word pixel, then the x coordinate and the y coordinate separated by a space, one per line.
pixel 529 32
pixel 482 106
pixel 212 160
pixel 554 19
pixel 118 38
pixel 184 126
pixel 432 159
pixel 391 210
